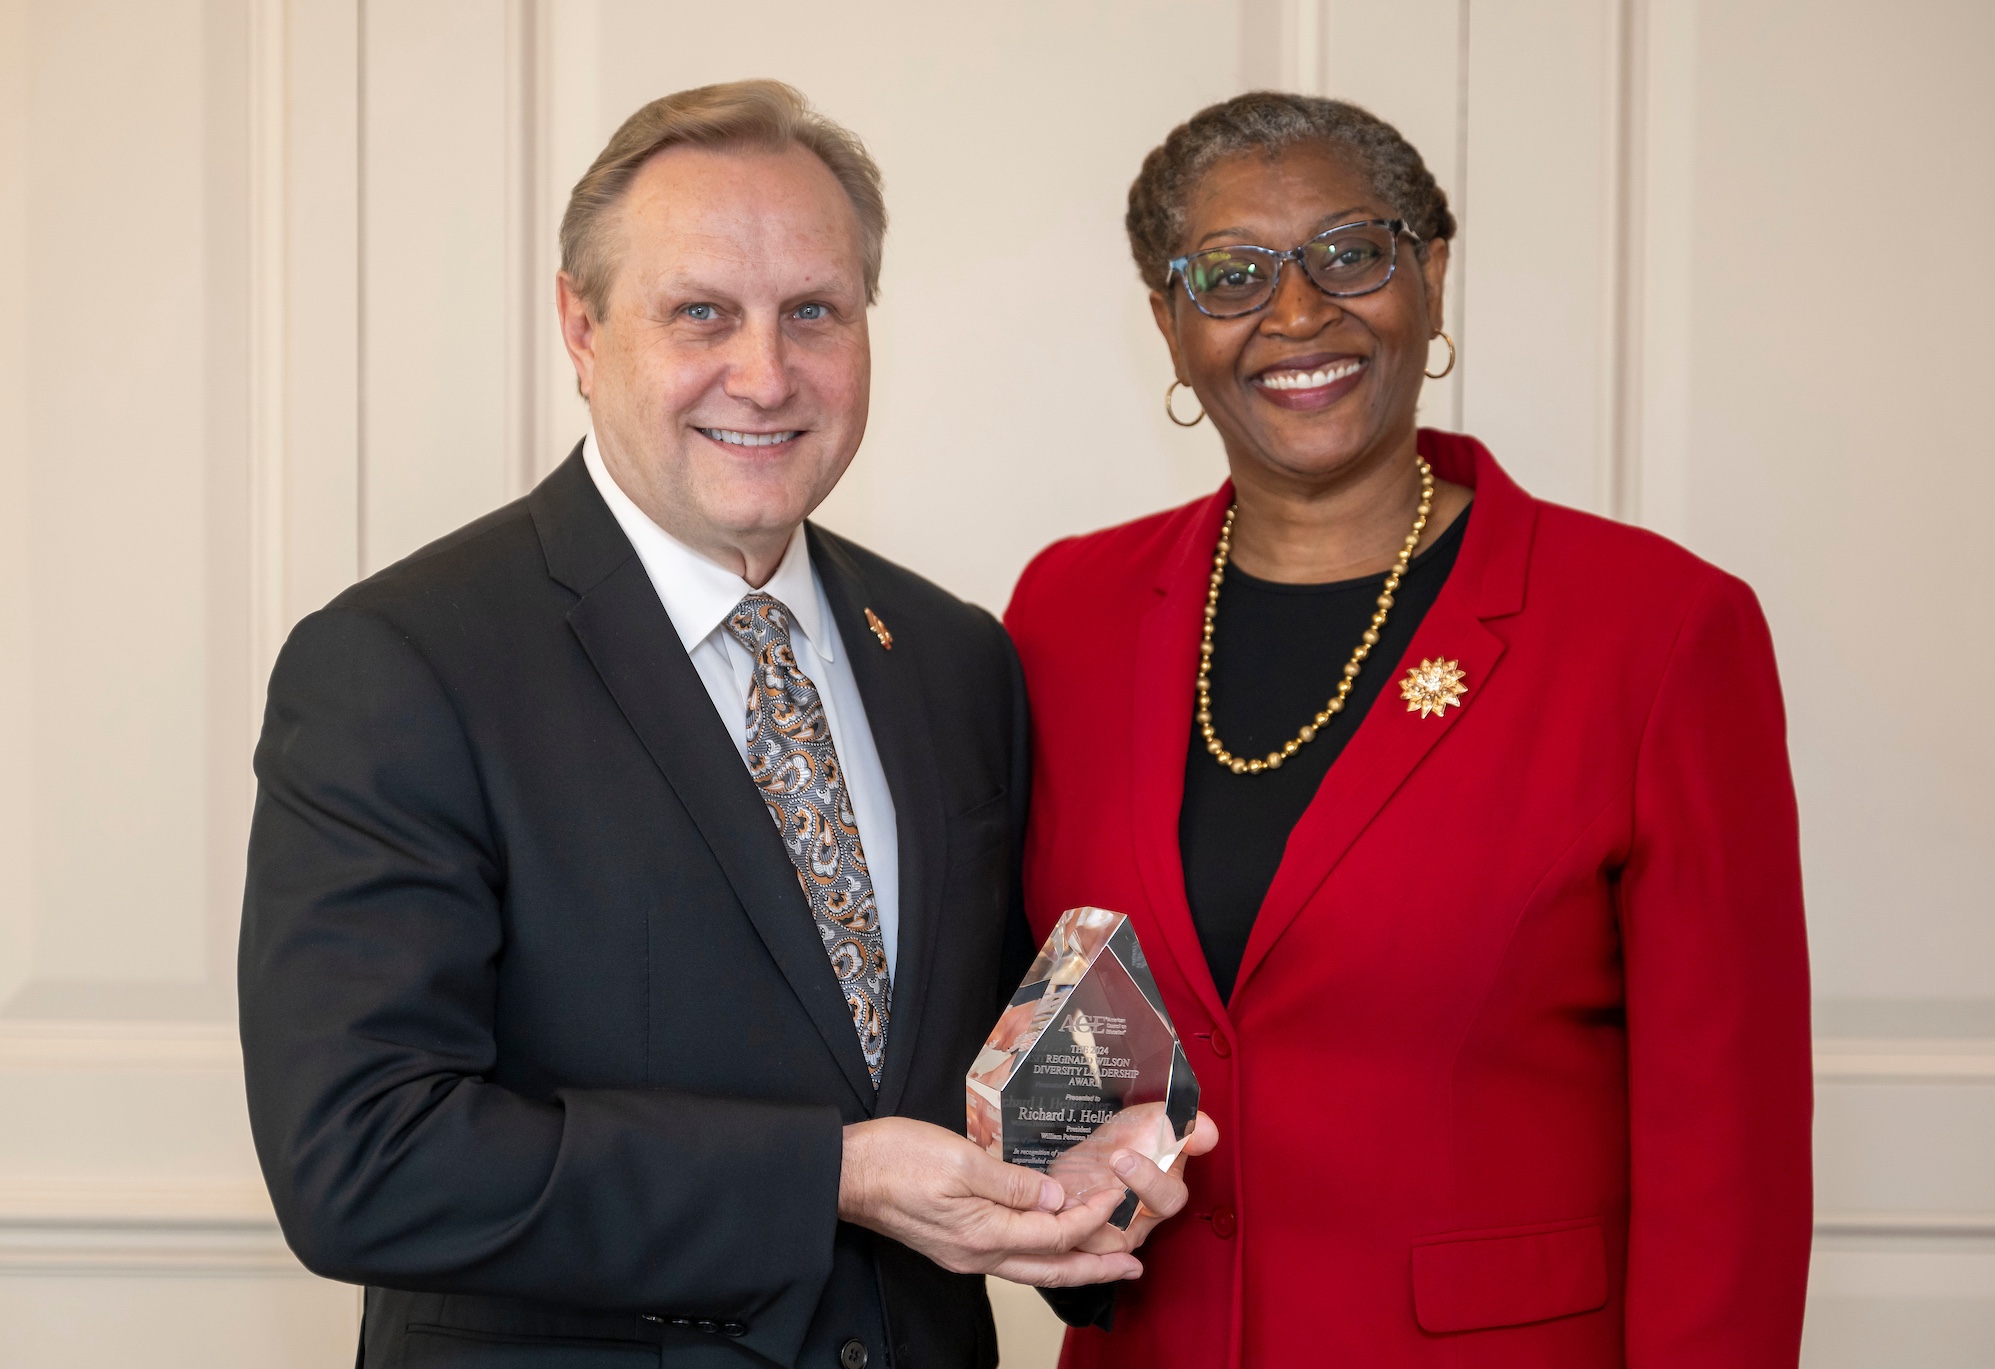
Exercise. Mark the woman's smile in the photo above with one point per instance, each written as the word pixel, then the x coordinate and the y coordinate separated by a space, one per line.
pixel 1310 382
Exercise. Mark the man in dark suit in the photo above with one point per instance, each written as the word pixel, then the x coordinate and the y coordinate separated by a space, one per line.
pixel 633 875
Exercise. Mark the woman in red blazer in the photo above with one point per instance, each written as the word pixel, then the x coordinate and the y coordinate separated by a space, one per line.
pixel 1467 866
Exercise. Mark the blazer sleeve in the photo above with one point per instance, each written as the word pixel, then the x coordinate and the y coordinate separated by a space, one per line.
pixel 1720 1089
pixel 372 928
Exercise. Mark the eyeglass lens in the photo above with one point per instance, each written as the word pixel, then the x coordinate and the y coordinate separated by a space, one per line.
pixel 1227 281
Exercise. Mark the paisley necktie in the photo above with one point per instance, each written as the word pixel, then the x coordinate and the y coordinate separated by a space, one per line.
pixel 790 756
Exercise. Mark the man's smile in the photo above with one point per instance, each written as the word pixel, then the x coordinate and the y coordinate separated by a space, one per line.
pixel 735 438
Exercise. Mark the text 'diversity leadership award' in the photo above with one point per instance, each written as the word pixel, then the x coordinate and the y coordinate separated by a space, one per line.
pixel 1085 1062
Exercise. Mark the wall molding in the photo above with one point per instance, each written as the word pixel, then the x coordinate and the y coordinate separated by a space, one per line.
pixel 164 1227
pixel 57 1044
pixel 1658 202
pixel 1904 1061
pixel 99 1047
pixel 1617 478
pixel 526 319
pixel 144 1227
pixel 206 1227
pixel 569 132
pixel 1971 1225
pixel 269 353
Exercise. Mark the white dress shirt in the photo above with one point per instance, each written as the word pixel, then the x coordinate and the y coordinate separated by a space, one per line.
pixel 699 596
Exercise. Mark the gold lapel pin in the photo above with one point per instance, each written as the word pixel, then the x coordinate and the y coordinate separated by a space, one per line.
pixel 1431 686
pixel 879 629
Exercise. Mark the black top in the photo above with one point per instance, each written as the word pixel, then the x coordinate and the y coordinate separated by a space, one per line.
pixel 1279 651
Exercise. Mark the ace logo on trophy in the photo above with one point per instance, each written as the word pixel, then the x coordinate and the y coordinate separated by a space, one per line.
pixel 1083 1063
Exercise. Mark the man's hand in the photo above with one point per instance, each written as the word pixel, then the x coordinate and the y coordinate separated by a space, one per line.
pixel 1162 1193
pixel 934 1192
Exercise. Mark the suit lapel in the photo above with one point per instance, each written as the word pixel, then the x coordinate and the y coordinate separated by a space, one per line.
pixel 631 642
pixel 891 684
pixel 1160 718
pixel 1487 582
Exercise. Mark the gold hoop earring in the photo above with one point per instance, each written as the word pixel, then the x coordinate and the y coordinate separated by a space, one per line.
pixel 1436 375
pixel 1172 414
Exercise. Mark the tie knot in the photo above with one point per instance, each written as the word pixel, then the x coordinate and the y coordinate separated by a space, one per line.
pixel 758 621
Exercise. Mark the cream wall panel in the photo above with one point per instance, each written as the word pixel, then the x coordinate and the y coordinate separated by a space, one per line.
pixel 105 1110
pixel 17 880
pixel 321 316
pixel 1804 421
pixel 434 312
pixel 176 1323
pixel 134 1227
pixel 573 128
pixel 142 330
pixel 1932 1306
pixel 1537 382
pixel 1835 446
pixel 132 452
pixel 1662 196
pixel 1888 1146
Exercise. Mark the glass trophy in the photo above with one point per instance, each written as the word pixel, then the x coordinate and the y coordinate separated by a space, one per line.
pixel 1085 1062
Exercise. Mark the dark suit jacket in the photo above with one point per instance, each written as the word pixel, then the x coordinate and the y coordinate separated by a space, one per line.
pixel 541 1043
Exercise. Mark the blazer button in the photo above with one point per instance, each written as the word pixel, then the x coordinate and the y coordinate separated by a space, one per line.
pixel 852 1354
pixel 1220 1046
pixel 1224 1223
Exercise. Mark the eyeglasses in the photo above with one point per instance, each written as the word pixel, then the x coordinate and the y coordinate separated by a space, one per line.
pixel 1351 259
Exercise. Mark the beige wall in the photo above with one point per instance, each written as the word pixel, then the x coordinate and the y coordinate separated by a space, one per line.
pixel 275 312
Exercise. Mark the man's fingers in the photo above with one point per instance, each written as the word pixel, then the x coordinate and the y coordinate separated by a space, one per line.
pixel 1053 1233
pixel 1073 1270
pixel 1101 1204
pixel 1014 1186
pixel 1107 1240
pixel 1084 1219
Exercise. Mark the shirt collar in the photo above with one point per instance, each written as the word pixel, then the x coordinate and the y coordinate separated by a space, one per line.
pixel 698 594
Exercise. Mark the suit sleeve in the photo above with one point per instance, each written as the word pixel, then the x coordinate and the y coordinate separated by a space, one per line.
pixel 373 922
pixel 1018 944
pixel 1717 998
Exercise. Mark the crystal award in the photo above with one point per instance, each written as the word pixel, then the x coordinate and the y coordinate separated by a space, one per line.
pixel 1085 1062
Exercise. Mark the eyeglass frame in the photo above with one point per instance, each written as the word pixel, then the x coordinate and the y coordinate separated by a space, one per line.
pixel 1176 265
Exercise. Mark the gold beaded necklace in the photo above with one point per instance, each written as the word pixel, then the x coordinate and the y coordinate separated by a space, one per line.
pixel 1273 760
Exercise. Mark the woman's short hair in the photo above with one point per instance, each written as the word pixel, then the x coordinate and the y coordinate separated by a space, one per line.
pixel 753 114
pixel 1268 121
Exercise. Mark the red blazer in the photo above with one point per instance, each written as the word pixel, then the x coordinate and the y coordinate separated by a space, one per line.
pixel 1516 1071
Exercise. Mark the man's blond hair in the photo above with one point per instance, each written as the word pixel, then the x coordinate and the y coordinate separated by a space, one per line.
pixel 750 114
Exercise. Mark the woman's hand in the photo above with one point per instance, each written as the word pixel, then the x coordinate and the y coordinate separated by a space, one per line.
pixel 1162 1192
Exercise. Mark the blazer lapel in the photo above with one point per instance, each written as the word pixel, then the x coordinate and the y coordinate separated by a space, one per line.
pixel 891 684
pixel 1166 665
pixel 631 641
pixel 1487 582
